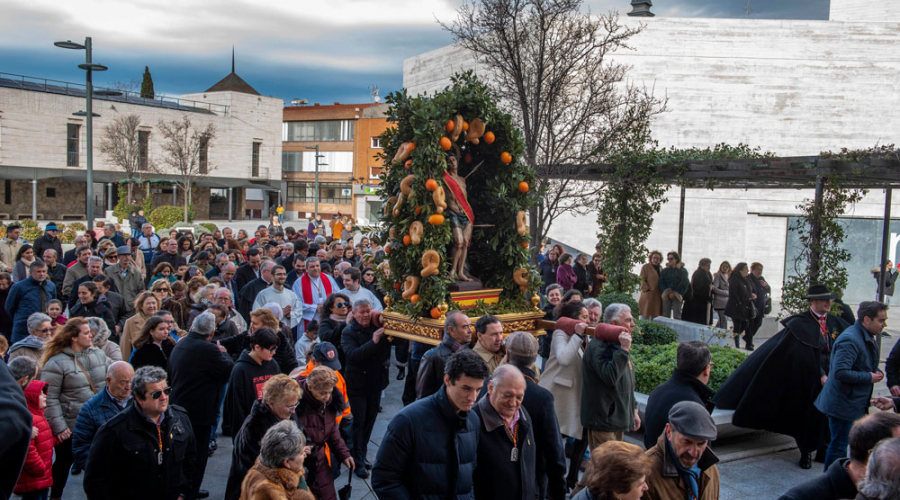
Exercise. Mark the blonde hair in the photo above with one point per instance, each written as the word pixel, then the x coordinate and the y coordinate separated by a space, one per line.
pixel 280 387
pixel 614 468
pixel 320 378
pixel 62 338
pixel 266 317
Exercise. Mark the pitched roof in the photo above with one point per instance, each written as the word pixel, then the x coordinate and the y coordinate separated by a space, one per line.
pixel 233 83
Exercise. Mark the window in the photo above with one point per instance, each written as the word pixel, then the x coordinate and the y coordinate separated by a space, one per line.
pixel 254 160
pixel 204 155
pixel 305 161
pixel 329 192
pixel 143 150
pixel 7 192
pixel 376 142
pixel 324 130
pixel 72 134
pixel 51 192
pixel 291 161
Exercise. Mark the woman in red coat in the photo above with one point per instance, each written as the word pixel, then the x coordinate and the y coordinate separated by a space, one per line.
pixel 37 476
pixel 320 405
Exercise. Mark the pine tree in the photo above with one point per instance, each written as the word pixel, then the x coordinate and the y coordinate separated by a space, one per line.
pixel 147 85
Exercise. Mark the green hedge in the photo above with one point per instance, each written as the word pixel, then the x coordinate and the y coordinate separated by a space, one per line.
pixel 209 226
pixel 619 298
pixel 653 365
pixel 654 333
pixel 166 216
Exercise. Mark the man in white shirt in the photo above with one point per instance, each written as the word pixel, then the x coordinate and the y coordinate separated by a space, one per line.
pixel 280 295
pixel 312 289
pixel 354 291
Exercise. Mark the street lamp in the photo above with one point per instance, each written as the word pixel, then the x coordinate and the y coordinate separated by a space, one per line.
pixel 316 147
pixel 89 68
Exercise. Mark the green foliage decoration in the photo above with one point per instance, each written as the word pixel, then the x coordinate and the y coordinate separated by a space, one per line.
pixel 31 233
pixel 123 209
pixel 496 249
pixel 609 297
pixel 77 226
pixel 165 216
pixel 209 226
pixel 654 364
pixel 651 333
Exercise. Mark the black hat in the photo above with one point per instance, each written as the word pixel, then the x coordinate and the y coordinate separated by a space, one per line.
pixel 691 419
pixel 820 292
pixel 326 355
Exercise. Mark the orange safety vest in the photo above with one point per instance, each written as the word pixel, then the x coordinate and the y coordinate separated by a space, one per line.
pixel 342 386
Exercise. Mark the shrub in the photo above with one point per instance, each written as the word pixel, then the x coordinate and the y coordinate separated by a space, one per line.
pixel 619 298
pixel 654 333
pixel 28 224
pixel 653 365
pixel 165 216
pixel 77 226
pixel 209 226
pixel 67 235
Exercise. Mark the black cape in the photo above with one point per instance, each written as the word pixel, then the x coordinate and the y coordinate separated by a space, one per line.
pixel 696 309
pixel 775 387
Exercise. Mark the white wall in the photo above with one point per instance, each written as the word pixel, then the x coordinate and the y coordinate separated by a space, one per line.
pixel 864 10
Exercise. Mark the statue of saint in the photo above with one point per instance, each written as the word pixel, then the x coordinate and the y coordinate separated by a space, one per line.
pixel 461 217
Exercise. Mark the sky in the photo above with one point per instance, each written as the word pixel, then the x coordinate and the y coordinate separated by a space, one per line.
pixel 320 50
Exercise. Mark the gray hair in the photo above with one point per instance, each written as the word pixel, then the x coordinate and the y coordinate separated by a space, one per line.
pixel 289 245
pixel 320 240
pixel 883 474
pixel 613 311
pixel 447 322
pixel 362 302
pixel 207 289
pixel 222 289
pixel 266 266
pixel 95 259
pixel 35 320
pixel 143 376
pixel 222 255
pixel 343 265
pixel 311 260
pixel 504 373
pixel 100 326
pixel 283 441
pixel 589 303
pixel 51 250
pixel 37 264
pixel 23 366
pixel 204 324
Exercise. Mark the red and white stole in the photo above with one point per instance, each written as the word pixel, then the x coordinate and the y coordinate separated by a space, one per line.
pixel 306 287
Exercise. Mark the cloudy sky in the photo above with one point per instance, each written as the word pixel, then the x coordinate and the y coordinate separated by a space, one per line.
pixel 321 50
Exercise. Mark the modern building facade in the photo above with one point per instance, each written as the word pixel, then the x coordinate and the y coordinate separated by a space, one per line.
pixel 348 165
pixel 43 149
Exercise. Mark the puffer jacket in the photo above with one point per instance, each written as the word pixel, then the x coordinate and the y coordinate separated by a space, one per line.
pixel 111 349
pixel 96 412
pixel 318 421
pixel 30 347
pixel 37 472
pixel 69 387
pixel 429 452
pixel 720 291
pixel 266 483
pixel 24 299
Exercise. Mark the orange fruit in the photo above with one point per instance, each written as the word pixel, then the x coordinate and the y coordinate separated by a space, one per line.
pixel 431 184
pixel 435 312
pixel 387 249
pixel 489 137
pixel 436 219
pixel 411 147
pixel 419 210
pixel 525 244
pixel 445 143
pixel 408 164
pixel 523 187
pixel 407 239
pixel 468 158
pixel 506 158
pixel 449 126
pixel 414 298
pixel 465 126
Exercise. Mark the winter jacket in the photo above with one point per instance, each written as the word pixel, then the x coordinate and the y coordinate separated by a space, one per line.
pixel 720 291
pixel 267 483
pixel 57 275
pixel 197 373
pixel 366 360
pixel 130 286
pixel 607 401
pixel 16 430
pixel 430 377
pixel 428 452
pixel 565 276
pixel 854 357
pixel 563 377
pixel 31 347
pixel 174 259
pixel 23 300
pixel 504 479
pixel 675 279
pixel 582 280
pixel 130 332
pixel 69 388
pixel 650 300
pixel 762 293
pixel 319 422
pixel 665 483
pixel 123 458
pixel 284 353
pixel 833 485
pixel 73 272
pixel 331 331
pixel 94 309
pixel 739 305
pixel 245 386
pixel 37 473
pixel 547 270
pixel 681 386
pixel 151 354
pixel 47 242
pixel 97 411
pixel 6 320
pixel 8 251
pixel 111 349
pixel 892 367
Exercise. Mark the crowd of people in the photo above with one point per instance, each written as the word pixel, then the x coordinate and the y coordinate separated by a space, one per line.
pixel 125 359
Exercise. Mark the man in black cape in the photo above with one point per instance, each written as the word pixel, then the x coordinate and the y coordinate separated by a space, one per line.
pixel 775 387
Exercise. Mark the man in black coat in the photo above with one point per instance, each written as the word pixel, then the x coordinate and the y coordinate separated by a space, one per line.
pixel 248 271
pixel 437 460
pixel 69 256
pixel 367 352
pixel 126 460
pixel 47 241
pixel 786 374
pixel 198 371
pixel 687 383
pixel 457 336
pixel 113 300
pixel 841 478
pixel 16 430
pixel 56 272
pixel 697 308
pixel 170 255
pixel 252 289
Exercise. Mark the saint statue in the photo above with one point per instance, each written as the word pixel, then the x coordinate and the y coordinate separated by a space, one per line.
pixel 461 217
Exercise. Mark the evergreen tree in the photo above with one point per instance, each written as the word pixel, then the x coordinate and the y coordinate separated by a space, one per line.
pixel 147 85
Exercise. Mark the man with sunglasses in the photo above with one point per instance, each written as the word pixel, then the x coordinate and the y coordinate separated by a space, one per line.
pixel 146 451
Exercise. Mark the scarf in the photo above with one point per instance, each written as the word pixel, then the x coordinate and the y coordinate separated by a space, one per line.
pixel 306 288
pixel 690 476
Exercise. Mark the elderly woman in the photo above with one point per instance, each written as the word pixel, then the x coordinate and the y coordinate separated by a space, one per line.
pixel 145 305
pixel 279 469
pixel 154 346
pixel 650 300
pixel 40 329
pixel 100 331
pixel 319 408
pixel 74 371
pixel 563 378
pixel 617 471
pixel 720 293
pixel 281 394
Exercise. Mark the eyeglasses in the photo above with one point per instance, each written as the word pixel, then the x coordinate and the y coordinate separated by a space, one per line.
pixel 293 406
pixel 158 394
pixel 342 304
pixel 46 330
pixel 273 349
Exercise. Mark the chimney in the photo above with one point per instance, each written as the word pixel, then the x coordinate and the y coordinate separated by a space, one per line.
pixel 641 8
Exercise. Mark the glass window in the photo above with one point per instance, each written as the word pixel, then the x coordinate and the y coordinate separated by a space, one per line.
pixel 329 192
pixel 143 149
pixel 322 130
pixel 291 161
pixel 72 133
pixel 254 160
pixel 376 142
pixel 204 155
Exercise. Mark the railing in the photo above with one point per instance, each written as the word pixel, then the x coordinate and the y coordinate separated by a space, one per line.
pixel 71 159
pixel 11 80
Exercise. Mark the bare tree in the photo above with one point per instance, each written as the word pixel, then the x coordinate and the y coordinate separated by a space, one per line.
pixel 547 60
pixel 120 144
pixel 132 86
pixel 182 148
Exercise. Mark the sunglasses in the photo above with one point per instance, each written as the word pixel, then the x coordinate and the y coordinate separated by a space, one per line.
pixel 158 394
pixel 342 305
pixel 370 274
pixel 46 330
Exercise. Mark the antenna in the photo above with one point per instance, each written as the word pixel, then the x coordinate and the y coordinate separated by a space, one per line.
pixel 374 93
pixel 232 58
pixel 747 9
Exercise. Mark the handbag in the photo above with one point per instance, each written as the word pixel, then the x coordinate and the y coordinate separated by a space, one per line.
pixel 753 311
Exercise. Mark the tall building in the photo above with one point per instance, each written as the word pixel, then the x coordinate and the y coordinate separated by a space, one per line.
pixel 348 139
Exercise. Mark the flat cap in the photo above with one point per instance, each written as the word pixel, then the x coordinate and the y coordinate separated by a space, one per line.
pixel 123 250
pixel 692 420
pixel 521 344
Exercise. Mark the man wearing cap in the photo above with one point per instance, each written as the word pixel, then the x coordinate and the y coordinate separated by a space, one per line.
pixel 48 241
pixel 682 466
pixel 787 373
pixel 126 277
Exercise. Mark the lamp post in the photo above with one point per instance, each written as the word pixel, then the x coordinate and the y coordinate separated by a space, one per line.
pixel 89 68
pixel 316 147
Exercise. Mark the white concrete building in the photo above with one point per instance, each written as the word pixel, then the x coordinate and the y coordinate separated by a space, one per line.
pixel 790 87
pixel 43 148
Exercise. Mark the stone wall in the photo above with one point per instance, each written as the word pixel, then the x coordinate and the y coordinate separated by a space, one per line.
pixel 67 202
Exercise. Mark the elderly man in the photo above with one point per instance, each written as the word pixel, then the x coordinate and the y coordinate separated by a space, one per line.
pixel 48 241
pixel 489 332
pixel 147 242
pixel 854 371
pixel 76 270
pixel 286 258
pixel 367 351
pixel 69 256
pixel 506 441
pixel 841 478
pixel 354 291
pixel 27 297
pixel 457 336
pixel 110 233
pixel 145 452
pixel 681 463
pixel 227 275
pixel 298 270
pixel 687 383
pixel 608 407
pixel 281 295
pixel 216 270
pixel 170 255
pixel 882 480
pixel 127 278
pixel 223 297
pixel 253 288
pixel 595 310
pixel 100 408
pixel 56 272
pixel 199 372
pixel 40 329
pixel 764 398
pixel 312 288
